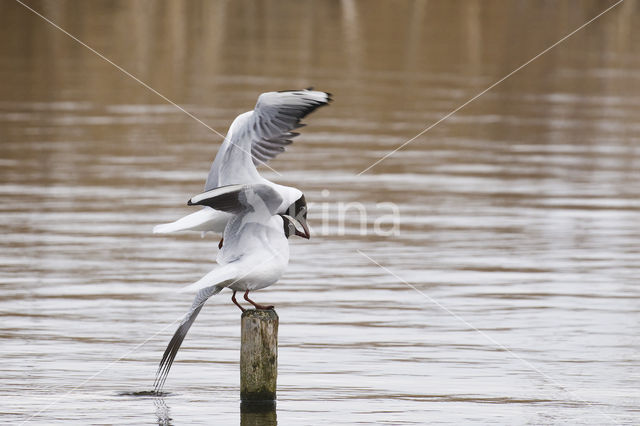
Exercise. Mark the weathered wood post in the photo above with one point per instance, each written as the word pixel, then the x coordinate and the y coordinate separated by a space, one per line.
pixel 259 357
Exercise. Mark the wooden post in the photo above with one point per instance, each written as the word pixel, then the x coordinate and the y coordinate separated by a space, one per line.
pixel 258 356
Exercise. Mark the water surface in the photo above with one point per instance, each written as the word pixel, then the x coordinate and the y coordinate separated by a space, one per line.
pixel 510 293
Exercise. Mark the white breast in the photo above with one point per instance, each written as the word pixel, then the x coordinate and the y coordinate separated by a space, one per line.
pixel 261 250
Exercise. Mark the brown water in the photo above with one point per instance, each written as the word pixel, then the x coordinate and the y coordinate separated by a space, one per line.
pixel 519 216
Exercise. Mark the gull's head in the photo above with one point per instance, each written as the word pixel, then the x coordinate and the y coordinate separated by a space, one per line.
pixel 293 227
pixel 296 216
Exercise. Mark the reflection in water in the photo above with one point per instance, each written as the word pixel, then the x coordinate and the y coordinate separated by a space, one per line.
pixel 520 213
pixel 261 413
pixel 258 413
pixel 162 412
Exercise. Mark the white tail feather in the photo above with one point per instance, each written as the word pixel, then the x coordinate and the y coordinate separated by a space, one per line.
pixel 204 220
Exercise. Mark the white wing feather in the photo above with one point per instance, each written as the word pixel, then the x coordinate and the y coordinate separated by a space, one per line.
pixel 223 276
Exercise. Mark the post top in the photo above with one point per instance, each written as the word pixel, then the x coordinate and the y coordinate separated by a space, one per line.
pixel 260 314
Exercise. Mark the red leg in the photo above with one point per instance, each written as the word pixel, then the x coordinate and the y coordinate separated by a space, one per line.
pixel 220 243
pixel 257 305
pixel 233 298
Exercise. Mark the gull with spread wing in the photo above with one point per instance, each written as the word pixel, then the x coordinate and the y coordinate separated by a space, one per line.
pixel 255 253
pixel 254 138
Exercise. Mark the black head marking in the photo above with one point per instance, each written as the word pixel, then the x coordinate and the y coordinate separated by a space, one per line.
pixel 289 227
pixel 300 209
pixel 297 212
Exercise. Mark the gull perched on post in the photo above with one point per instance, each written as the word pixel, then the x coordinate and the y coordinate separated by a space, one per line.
pixel 255 253
pixel 254 138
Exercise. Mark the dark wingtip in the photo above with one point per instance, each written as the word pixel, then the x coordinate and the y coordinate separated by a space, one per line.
pixel 172 350
pixel 189 203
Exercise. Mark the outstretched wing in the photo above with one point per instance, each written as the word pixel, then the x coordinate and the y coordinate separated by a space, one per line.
pixel 257 136
pixel 178 337
pixel 237 199
pixel 274 117
pixel 207 286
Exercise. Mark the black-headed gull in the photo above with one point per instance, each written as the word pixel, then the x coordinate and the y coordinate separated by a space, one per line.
pixel 254 138
pixel 255 253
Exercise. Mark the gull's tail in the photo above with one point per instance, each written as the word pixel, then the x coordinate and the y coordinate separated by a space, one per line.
pixel 179 335
pixel 203 220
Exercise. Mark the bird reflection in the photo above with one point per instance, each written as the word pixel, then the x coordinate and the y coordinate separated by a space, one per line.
pixel 258 413
pixel 162 411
